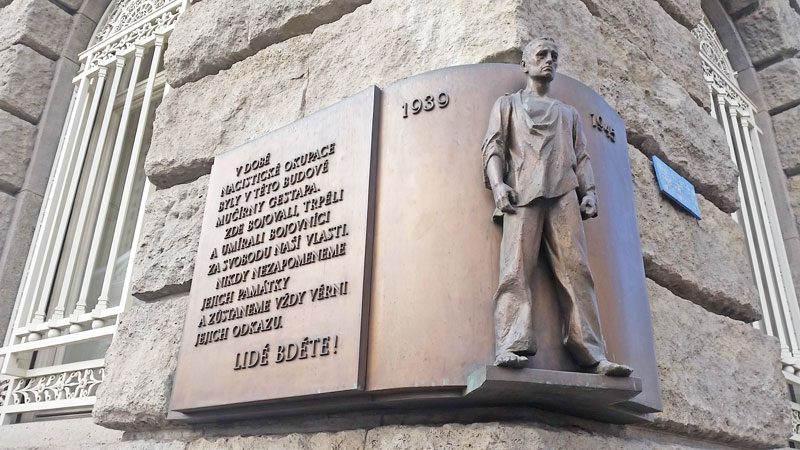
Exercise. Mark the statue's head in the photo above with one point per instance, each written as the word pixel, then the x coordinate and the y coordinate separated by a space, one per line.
pixel 540 58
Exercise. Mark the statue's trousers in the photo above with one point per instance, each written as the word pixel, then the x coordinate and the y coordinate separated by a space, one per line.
pixel 555 224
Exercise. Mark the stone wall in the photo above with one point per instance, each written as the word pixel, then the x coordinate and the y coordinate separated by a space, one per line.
pixel 548 433
pixel 39 45
pixel 720 378
pixel 241 69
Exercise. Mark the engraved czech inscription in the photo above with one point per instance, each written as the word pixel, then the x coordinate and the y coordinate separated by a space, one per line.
pixel 281 277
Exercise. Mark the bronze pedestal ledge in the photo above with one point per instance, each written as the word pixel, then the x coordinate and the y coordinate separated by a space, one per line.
pixel 574 393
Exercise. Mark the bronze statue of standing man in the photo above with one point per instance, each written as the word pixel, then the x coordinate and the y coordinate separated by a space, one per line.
pixel 535 163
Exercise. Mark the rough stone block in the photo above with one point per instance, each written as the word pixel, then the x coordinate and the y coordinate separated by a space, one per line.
pixel 17 243
pixel 16 145
pixel 220 112
pixel 345 440
pixel 720 379
pixel 793 186
pixel 780 85
pixel 665 42
pixel 770 31
pixel 39 24
pixel 140 364
pixel 50 125
pixel 702 260
pixel 214 34
pixel 25 78
pixel 686 12
pixel 662 120
pixel 138 445
pixel 787 137
pixel 387 40
pixel 209 36
pixel 171 232
pixel 94 9
pixel 505 436
pixel 82 433
pixel 144 444
pixel 377 44
pixel 6 214
pixel 71 5
pixel 80 33
pixel 734 7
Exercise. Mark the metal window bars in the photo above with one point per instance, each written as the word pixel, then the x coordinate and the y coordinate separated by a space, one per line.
pixel 78 273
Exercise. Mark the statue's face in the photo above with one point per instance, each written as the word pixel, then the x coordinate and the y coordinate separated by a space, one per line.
pixel 540 60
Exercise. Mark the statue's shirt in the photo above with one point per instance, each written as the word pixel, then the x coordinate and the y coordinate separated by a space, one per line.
pixel 541 144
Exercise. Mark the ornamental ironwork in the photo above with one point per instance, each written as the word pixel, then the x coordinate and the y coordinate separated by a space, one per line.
pixel 711 48
pixel 139 34
pixel 58 386
pixel 723 86
pixel 4 385
pixel 125 14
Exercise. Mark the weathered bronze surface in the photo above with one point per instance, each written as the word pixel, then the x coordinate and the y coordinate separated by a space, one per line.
pixel 435 265
pixel 279 300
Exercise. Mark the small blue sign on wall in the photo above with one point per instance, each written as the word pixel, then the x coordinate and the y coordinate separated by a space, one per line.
pixel 676 187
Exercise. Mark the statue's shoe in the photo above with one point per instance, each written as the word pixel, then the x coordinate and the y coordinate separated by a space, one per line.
pixel 612 369
pixel 509 359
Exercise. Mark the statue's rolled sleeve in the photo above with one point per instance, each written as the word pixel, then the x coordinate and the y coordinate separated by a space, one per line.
pixel 494 144
pixel 583 168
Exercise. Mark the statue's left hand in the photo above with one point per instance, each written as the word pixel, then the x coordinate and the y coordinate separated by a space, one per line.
pixel 589 205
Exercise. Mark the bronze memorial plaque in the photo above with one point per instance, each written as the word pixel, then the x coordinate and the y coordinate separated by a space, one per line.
pixel 283 296
pixel 279 300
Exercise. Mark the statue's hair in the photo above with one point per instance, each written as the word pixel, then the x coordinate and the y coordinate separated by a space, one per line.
pixel 542 38
pixel 529 46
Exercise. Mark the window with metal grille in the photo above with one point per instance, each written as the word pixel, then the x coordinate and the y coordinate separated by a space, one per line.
pixel 757 216
pixel 79 268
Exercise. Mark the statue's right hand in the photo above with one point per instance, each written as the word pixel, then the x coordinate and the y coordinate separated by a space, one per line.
pixel 504 198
